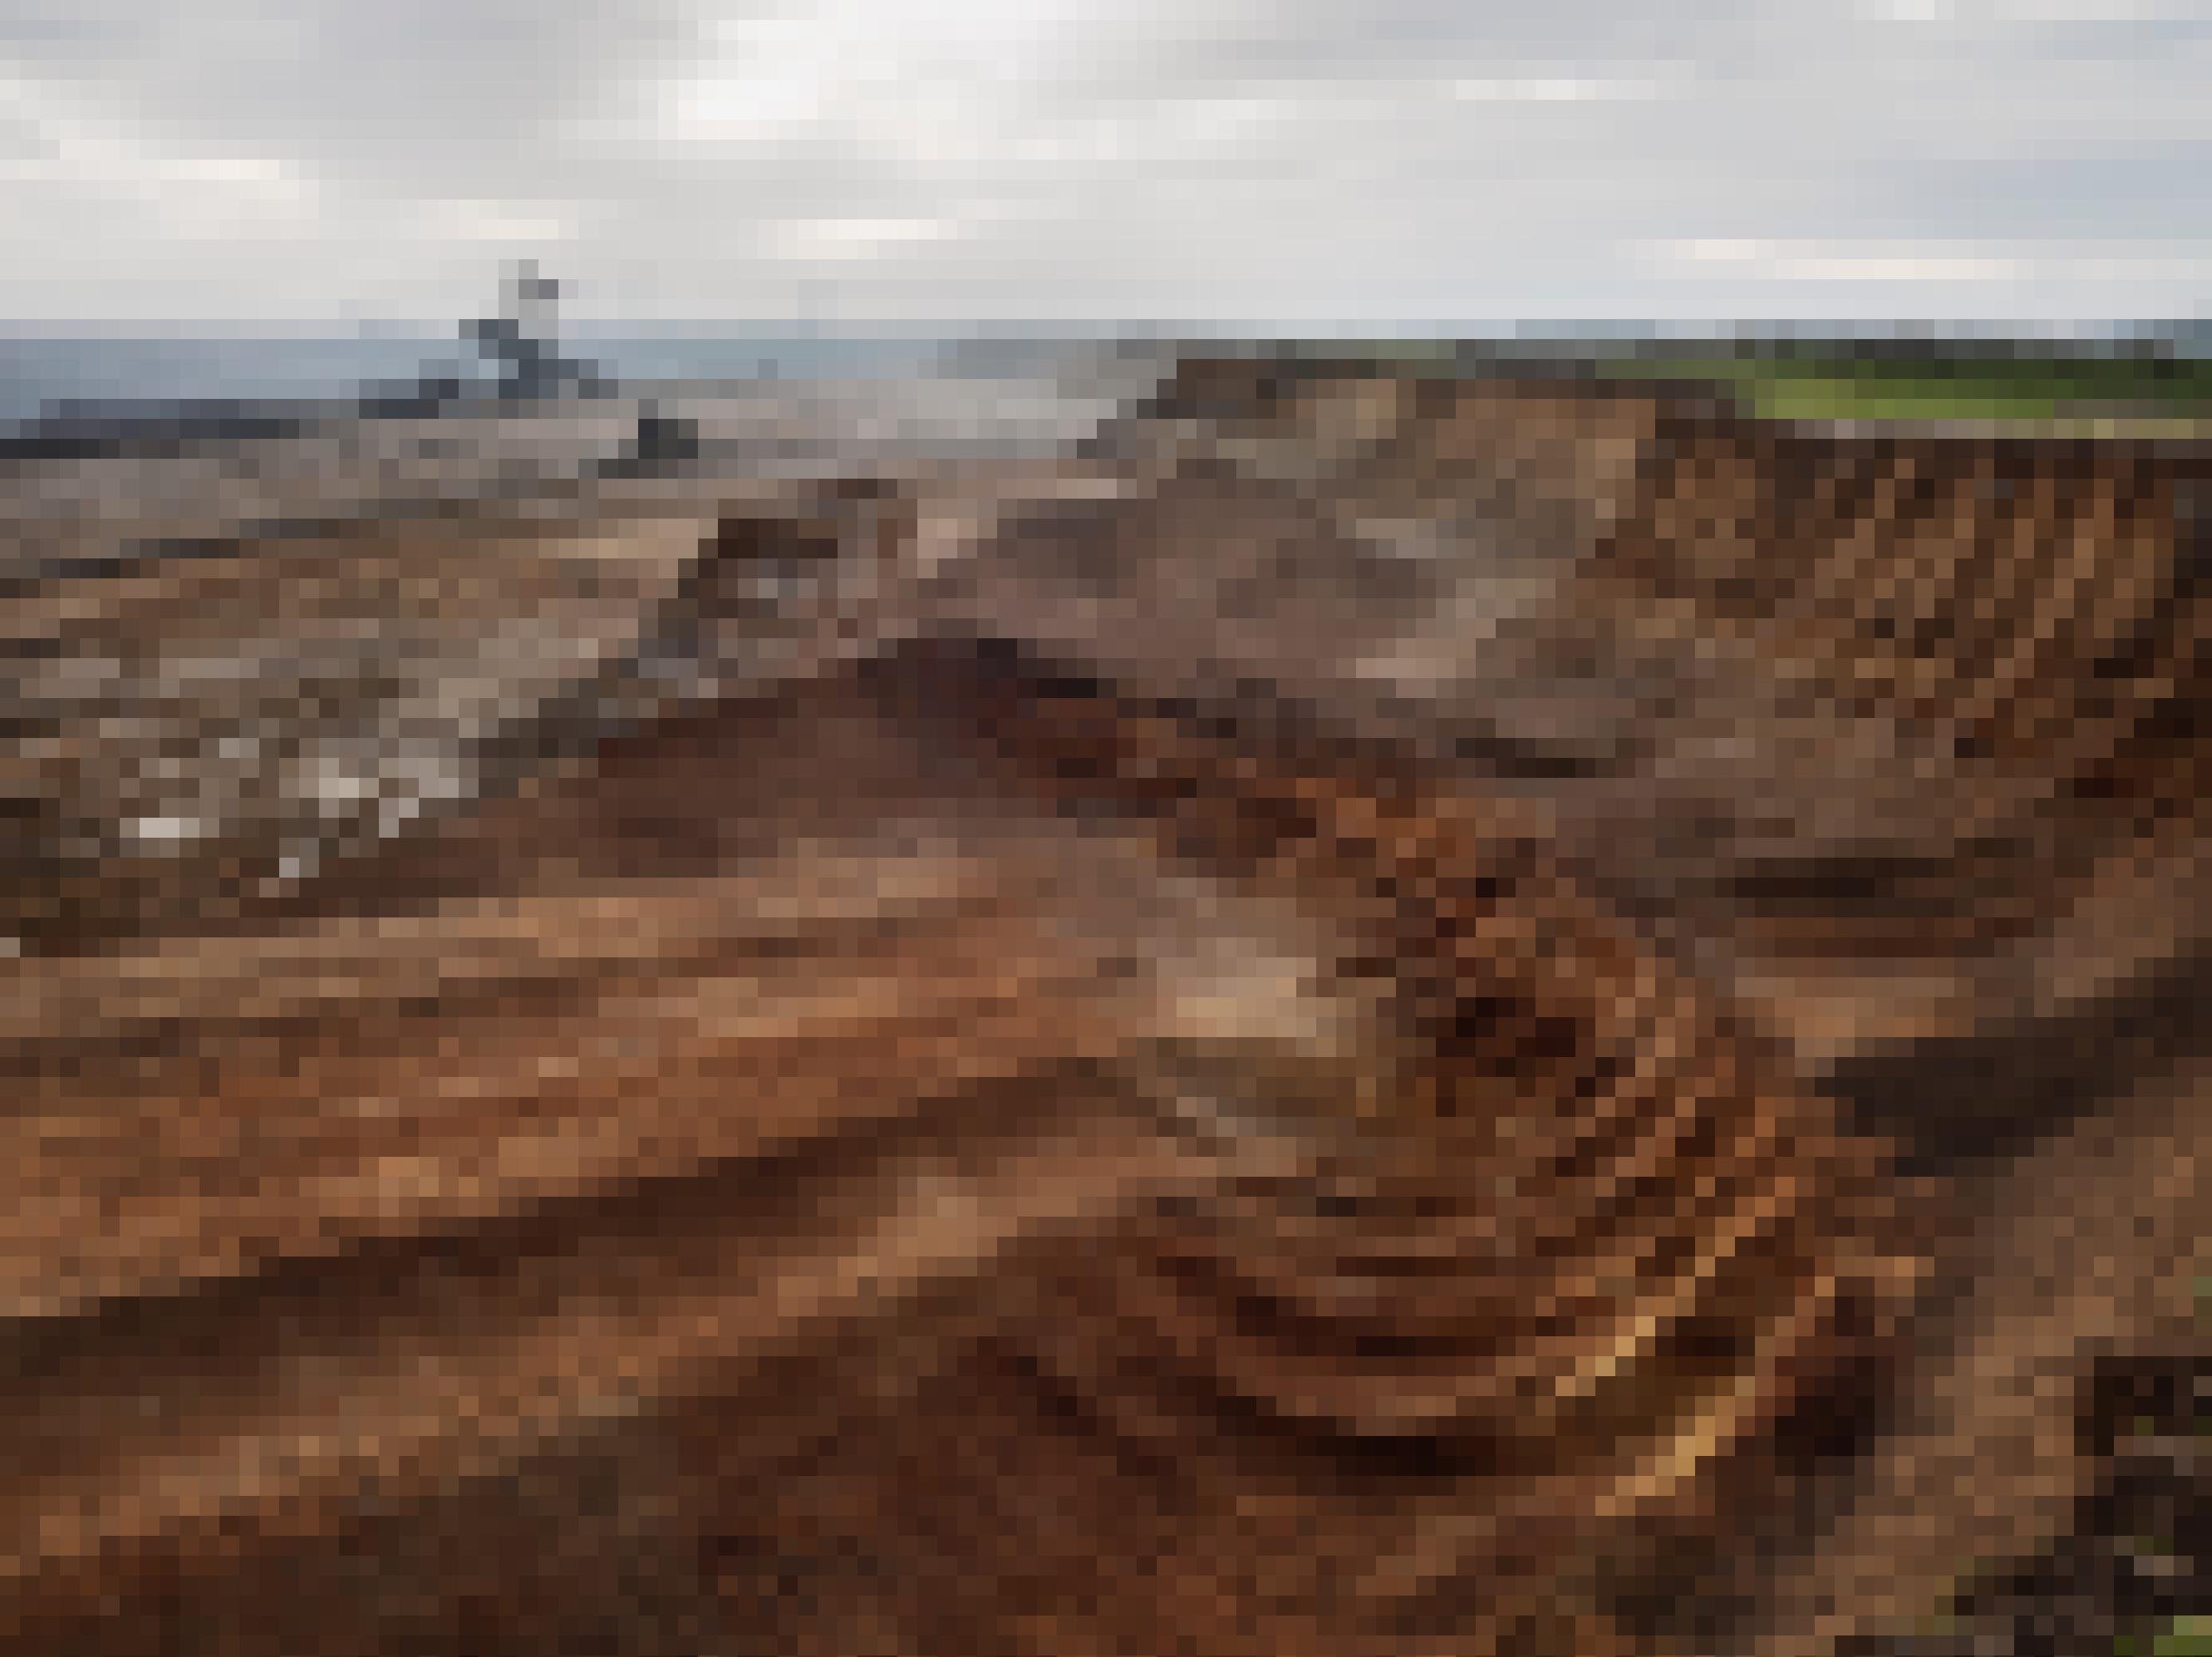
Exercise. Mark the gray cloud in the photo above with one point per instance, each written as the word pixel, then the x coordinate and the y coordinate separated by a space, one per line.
pixel 1307 160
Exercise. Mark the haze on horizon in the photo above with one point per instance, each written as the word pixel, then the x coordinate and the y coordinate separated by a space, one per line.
pixel 1395 164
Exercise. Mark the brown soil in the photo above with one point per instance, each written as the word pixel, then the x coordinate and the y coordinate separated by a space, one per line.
pixel 1375 1018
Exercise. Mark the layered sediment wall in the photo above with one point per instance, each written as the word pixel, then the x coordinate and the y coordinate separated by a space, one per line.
pixel 1808 696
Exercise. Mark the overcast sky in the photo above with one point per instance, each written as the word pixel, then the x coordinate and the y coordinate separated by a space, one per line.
pixel 1381 163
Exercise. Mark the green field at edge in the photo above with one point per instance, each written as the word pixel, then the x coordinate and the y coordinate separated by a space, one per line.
pixel 1839 386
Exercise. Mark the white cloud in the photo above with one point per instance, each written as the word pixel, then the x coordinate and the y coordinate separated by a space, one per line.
pixel 475 220
pixel 1552 89
pixel 1844 262
pixel 859 238
pixel 1194 160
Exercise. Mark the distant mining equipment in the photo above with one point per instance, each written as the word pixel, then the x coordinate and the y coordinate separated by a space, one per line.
pixel 663 443
pixel 521 342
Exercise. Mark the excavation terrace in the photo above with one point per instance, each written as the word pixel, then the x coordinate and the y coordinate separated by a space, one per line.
pixel 1324 1011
